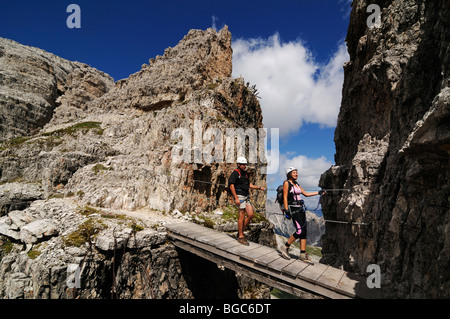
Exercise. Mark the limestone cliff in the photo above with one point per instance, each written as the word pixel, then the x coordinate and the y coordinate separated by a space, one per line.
pixel 113 142
pixel 32 82
pixel 88 179
pixel 392 150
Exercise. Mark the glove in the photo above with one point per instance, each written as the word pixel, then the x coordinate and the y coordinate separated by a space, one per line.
pixel 287 213
pixel 321 192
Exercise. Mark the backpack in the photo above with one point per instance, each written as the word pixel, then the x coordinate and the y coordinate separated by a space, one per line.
pixel 279 198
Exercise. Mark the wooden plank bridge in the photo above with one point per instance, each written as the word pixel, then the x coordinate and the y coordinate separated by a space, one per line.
pixel 266 265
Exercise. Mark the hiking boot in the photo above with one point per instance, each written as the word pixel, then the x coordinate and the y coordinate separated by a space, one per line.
pixel 243 241
pixel 284 250
pixel 305 258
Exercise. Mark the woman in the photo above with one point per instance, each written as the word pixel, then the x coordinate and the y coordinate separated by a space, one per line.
pixel 293 205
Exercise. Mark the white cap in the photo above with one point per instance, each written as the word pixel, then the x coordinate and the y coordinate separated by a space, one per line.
pixel 290 169
pixel 241 160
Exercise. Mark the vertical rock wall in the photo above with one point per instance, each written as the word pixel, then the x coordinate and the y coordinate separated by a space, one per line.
pixel 393 150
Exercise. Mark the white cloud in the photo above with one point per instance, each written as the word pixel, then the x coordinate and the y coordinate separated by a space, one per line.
pixel 293 87
pixel 325 98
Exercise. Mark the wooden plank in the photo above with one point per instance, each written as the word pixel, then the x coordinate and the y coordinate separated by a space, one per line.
pixel 204 233
pixel 330 277
pixel 264 260
pixel 228 245
pixel 198 228
pixel 278 264
pixel 313 272
pixel 236 250
pixel 294 268
pixel 226 242
pixel 347 285
pixel 210 238
pixel 214 235
pixel 186 226
pixel 185 229
pixel 194 235
pixel 255 253
pixel 200 233
pixel 192 231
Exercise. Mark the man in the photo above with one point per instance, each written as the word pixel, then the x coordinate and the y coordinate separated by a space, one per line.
pixel 239 186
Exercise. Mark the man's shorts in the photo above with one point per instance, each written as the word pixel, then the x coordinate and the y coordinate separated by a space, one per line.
pixel 244 201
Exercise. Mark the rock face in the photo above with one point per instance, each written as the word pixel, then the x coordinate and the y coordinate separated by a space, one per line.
pixel 76 252
pixel 88 178
pixel 392 150
pixel 112 144
pixel 32 83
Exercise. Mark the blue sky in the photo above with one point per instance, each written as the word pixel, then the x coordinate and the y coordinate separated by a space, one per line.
pixel 292 50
